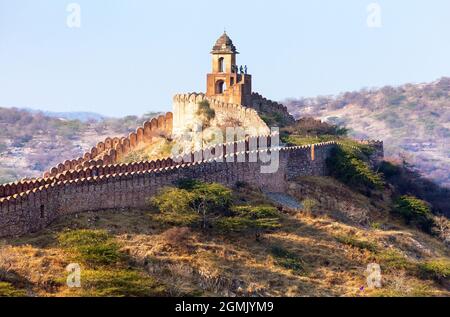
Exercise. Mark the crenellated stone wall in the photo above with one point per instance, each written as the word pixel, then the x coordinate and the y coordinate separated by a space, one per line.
pixel 264 105
pixel 184 116
pixel 99 169
pixel 128 186
pixel 112 150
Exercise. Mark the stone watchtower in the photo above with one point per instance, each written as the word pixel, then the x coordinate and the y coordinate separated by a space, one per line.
pixel 227 82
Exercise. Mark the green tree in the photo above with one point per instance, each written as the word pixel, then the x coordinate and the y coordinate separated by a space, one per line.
pixel 349 165
pixel 175 206
pixel 194 197
pixel 211 198
pixel 255 219
pixel 415 211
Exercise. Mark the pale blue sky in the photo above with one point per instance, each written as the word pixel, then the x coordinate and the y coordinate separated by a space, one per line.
pixel 130 57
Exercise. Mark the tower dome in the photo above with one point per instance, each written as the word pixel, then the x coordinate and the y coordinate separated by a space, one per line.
pixel 224 45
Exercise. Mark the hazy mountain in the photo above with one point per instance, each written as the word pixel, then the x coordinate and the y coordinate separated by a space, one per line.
pixel 77 115
pixel 33 141
pixel 413 120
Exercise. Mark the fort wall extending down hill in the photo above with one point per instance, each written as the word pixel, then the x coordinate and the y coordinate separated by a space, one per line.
pixel 264 105
pixel 98 168
pixel 96 181
pixel 111 150
pixel 185 106
pixel 34 209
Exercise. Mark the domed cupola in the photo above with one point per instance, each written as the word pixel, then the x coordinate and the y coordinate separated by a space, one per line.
pixel 224 45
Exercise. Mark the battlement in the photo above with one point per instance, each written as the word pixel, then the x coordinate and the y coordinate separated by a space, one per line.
pixel 129 185
pixel 372 142
pixel 97 168
pixel 113 149
pixel 216 152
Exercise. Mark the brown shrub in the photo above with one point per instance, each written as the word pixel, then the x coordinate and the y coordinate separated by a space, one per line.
pixel 177 237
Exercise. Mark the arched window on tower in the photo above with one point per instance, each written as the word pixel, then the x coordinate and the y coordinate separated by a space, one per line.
pixel 220 87
pixel 221 65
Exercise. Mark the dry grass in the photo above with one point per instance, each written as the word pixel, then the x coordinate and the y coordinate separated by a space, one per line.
pixel 31 268
pixel 320 257
pixel 159 148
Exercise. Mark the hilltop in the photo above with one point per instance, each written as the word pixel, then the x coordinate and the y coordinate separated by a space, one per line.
pixel 32 142
pixel 413 120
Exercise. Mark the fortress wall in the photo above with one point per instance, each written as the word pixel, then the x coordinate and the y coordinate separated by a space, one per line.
pixel 113 149
pixel 309 160
pixel 265 105
pixel 97 168
pixel 32 210
pixel 185 107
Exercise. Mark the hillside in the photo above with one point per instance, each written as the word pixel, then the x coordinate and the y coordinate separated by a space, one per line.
pixel 312 252
pixel 318 238
pixel 413 120
pixel 31 142
pixel 76 115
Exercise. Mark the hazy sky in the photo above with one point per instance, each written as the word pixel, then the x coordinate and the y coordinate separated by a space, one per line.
pixel 131 56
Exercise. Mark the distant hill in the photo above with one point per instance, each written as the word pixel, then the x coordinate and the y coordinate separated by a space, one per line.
pixel 33 141
pixel 413 120
pixel 77 115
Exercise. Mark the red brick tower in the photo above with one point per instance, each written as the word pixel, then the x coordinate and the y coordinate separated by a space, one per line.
pixel 228 82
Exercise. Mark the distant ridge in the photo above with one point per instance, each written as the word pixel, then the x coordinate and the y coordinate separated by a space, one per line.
pixel 83 116
pixel 412 119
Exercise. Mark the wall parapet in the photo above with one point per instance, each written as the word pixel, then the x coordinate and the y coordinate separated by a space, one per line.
pixel 263 104
pixel 111 150
pixel 216 152
pixel 32 210
pixel 97 167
